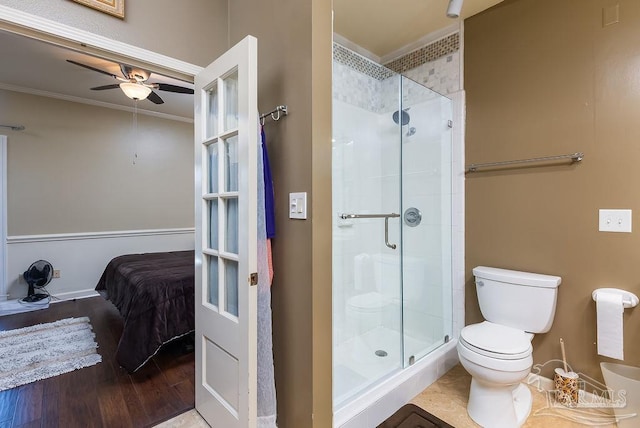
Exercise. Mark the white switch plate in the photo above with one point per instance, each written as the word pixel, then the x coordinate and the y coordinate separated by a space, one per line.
pixel 298 205
pixel 614 221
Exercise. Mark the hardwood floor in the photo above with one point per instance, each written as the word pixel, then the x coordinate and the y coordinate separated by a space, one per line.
pixel 104 395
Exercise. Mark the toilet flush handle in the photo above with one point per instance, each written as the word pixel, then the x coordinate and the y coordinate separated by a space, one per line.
pixel 479 283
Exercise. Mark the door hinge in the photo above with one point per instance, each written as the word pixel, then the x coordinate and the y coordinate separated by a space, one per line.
pixel 253 278
pixel 450 123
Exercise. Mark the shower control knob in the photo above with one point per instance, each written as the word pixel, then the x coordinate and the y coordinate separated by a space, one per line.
pixel 412 217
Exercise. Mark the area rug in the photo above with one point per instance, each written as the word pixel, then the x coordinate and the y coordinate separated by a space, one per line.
pixel 41 351
pixel 412 416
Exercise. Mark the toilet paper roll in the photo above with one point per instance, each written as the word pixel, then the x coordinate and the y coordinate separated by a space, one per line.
pixel 609 312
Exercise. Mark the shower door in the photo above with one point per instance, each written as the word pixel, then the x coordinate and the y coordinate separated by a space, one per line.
pixel 366 242
pixel 391 227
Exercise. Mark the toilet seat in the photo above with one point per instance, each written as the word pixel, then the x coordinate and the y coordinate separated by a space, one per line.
pixel 371 301
pixel 496 341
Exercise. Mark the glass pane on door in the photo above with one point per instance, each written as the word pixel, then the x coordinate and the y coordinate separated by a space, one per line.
pixel 212 286
pixel 211 125
pixel 231 164
pixel 230 84
pixel 213 224
pixel 212 153
pixel 231 234
pixel 231 287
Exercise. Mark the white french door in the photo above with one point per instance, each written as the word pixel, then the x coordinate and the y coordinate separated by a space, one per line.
pixel 3 216
pixel 226 144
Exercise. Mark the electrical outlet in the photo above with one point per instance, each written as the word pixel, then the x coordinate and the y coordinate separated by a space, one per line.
pixel 614 221
pixel 56 273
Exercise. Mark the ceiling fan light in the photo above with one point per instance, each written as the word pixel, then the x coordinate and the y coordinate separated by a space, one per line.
pixel 135 91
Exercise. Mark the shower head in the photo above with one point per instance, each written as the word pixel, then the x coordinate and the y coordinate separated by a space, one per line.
pixel 401 114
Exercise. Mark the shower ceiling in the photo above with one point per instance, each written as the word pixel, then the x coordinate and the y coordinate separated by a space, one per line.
pixel 383 26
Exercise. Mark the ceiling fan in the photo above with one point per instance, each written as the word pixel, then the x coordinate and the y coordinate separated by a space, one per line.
pixel 134 83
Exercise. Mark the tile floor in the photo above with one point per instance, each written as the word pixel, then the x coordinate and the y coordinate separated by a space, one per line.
pixel 447 399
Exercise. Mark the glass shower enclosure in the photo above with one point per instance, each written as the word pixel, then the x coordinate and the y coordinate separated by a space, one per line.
pixel 392 280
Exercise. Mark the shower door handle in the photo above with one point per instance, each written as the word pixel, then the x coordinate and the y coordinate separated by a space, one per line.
pixel 386 218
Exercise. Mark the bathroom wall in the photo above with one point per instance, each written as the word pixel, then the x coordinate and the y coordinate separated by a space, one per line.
pixel 294 68
pixel 548 77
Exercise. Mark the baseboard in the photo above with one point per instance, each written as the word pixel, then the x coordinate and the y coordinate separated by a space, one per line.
pixel 74 295
pixel 81 258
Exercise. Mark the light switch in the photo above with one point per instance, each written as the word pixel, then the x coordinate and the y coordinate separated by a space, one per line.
pixel 614 221
pixel 298 205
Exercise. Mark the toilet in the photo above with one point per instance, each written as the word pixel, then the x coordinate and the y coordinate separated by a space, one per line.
pixel 378 290
pixel 377 286
pixel 497 352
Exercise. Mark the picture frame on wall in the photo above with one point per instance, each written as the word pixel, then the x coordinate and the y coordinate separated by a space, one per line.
pixel 112 7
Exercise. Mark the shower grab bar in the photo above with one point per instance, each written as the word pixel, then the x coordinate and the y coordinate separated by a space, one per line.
pixel 575 157
pixel 386 218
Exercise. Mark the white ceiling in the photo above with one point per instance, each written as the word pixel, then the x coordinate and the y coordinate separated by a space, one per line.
pixel 33 66
pixel 385 26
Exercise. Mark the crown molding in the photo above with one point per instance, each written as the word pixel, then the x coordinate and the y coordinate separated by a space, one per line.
pixel 34 26
pixel 103 104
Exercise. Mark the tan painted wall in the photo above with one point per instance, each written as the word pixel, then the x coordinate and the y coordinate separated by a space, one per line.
pixel 71 169
pixel 543 77
pixel 194 31
pixel 294 68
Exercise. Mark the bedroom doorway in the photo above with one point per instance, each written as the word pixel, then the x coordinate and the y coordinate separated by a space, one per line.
pixel 3 217
pixel 39 28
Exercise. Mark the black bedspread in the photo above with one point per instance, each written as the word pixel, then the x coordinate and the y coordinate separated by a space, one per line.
pixel 154 292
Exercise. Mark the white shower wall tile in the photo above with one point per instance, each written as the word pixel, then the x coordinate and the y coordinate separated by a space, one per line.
pixel 441 75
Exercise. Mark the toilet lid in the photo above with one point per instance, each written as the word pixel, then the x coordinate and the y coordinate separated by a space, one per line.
pixel 371 300
pixel 497 340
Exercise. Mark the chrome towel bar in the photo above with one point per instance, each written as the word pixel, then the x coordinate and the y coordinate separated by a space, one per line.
pixel 574 157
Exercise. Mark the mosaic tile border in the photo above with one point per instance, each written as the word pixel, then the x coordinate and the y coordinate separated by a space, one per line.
pixel 431 52
pixel 360 63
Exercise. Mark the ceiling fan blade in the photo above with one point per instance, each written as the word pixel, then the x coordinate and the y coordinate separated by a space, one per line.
pixel 93 68
pixel 173 88
pixel 102 88
pixel 155 98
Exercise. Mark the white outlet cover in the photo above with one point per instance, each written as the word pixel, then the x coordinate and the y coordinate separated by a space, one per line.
pixel 614 220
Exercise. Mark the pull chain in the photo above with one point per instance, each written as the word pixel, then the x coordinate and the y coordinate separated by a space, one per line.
pixel 135 131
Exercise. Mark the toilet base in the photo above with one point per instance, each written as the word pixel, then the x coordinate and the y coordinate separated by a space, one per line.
pixel 499 406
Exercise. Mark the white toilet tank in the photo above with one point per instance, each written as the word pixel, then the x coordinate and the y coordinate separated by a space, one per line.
pixel 522 300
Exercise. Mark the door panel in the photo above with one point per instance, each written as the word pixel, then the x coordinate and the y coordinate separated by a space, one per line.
pixel 226 123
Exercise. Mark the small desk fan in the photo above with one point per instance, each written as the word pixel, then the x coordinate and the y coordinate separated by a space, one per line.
pixel 38 275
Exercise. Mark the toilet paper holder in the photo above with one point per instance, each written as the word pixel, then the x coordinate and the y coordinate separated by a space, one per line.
pixel 629 300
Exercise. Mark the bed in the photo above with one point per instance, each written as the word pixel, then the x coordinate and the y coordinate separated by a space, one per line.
pixel 154 293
